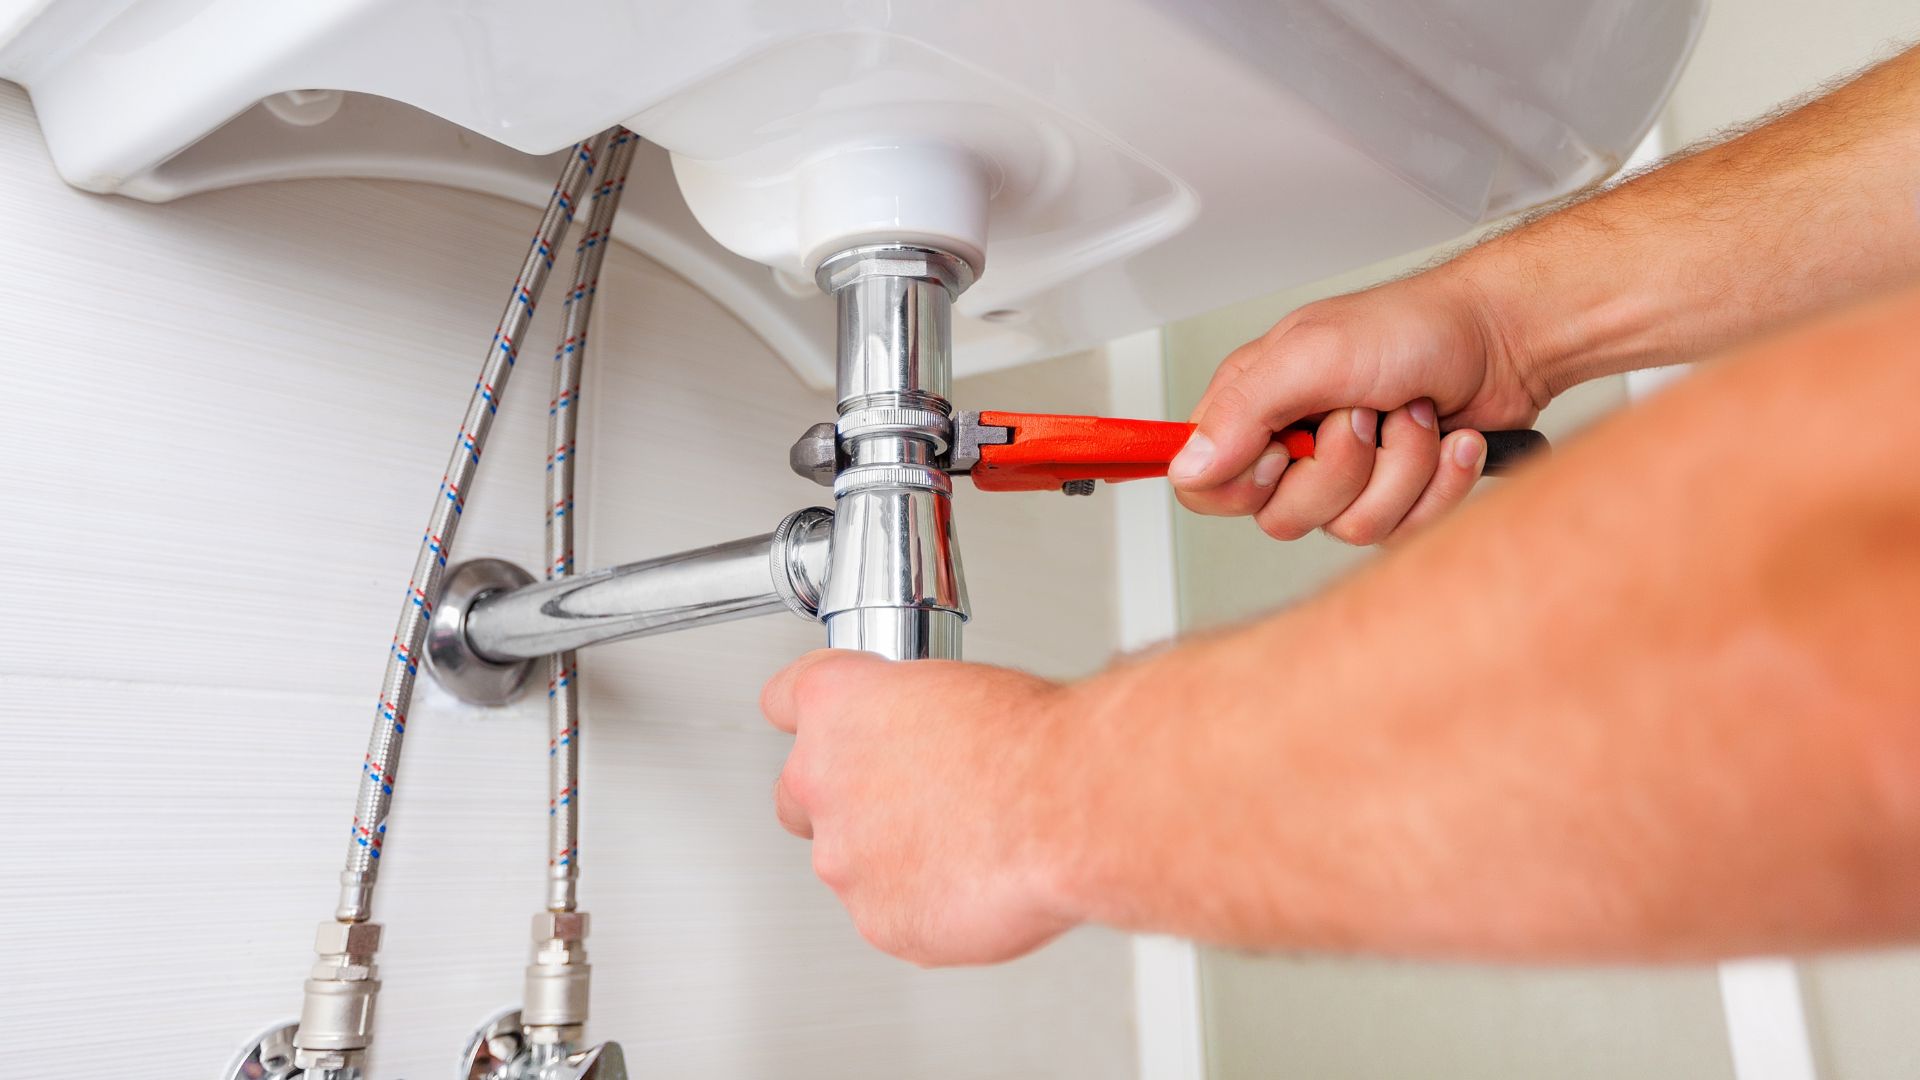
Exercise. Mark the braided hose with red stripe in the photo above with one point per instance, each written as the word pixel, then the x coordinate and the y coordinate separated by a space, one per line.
pixel 403 659
pixel 563 422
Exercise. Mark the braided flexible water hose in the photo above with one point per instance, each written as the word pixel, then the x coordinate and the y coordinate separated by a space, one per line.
pixel 396 691
pixel 563 421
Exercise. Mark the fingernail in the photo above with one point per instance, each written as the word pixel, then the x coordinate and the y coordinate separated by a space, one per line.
pixel 1469 452
pixel 1363 424
pixel 1422 413
pixel 1192 459
pixel 1266 471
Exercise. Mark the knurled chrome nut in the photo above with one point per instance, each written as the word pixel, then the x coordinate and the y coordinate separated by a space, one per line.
pixel 560 926
pixel 894 475
pixel 911 420
pixel 837 272
pixel 788 568
pixel 357 940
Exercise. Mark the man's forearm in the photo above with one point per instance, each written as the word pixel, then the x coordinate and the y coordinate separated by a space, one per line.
pixel 1818 206
pixel 1657 699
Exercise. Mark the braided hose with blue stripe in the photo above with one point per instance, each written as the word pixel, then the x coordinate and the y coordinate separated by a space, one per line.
pixel 563 422
pixel 403 659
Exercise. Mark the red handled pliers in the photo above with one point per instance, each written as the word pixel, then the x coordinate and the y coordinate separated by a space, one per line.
pixel 1007 451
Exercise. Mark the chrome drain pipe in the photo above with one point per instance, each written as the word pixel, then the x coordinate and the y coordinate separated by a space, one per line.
pixel 478 640
pixel 895 586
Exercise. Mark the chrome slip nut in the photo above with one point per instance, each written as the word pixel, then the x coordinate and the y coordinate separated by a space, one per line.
pixel 854 265
pixel 889 476
pixel 798 585
pixel 907 421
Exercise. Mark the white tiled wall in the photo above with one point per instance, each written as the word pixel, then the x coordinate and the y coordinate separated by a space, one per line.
pixel 220 424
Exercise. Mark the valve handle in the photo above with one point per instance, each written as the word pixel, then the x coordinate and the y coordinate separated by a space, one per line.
pixel 1043 452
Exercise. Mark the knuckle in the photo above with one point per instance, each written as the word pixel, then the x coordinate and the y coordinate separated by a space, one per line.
pixel 831 867
pixel 1317 333
pixel 1231 405
pixel 1282 528
pixel 1215 504
pixel 815 688
pixel 1356 530
pixel 1447 486
pixel 1198 502
pixel 1404 435
pixel 1320 343
pixel 883 934
pixel 1287 322
pixel 1353 473
pixel 791 819
pixel 1402 531
pixel 797 783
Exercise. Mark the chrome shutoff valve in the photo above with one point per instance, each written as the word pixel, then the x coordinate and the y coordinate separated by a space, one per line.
pixel 558 979
pixel 336 1016
pixel 500 1051
pixel 542 1040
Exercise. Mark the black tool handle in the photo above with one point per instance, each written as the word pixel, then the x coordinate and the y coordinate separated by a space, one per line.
pixel 1508 450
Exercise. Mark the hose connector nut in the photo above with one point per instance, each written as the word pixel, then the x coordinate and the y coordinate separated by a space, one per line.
pixel 560 926
pixel 336 1014
pixel 351 942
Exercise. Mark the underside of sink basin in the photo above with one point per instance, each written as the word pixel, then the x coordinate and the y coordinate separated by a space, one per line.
pixel 1107 165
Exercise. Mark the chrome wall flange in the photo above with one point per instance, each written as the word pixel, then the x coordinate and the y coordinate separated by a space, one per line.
pixel 451 658
pixel 268 1057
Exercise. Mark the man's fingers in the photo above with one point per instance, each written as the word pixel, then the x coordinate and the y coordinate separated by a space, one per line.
pixel 1463 454
pixel 781 699
pixel 793 816
pixel 1245 493
pixel 1217 472
pixel 1238 421
pixel 1409 454
pixel 1299 373
pixel 1315 491
pixel 1229 435
pixel 776 698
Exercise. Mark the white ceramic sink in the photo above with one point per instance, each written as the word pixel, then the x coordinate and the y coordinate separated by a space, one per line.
pixel 1113 163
